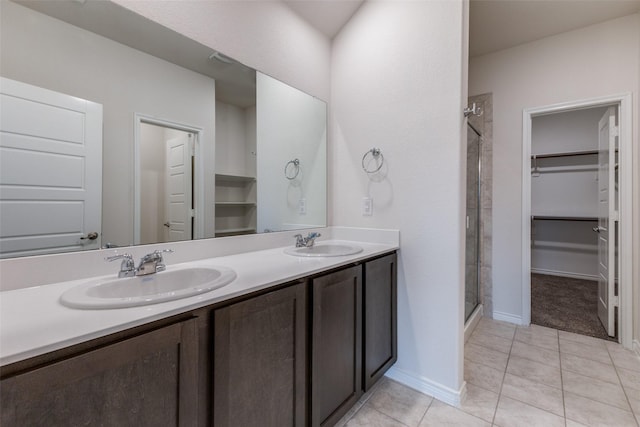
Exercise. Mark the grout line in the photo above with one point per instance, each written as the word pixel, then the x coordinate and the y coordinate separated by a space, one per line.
pixel 495 411
pixel 624 390
pixel 564 407
pixel 425 412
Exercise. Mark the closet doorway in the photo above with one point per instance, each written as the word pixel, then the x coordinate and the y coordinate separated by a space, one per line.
pixel 576 203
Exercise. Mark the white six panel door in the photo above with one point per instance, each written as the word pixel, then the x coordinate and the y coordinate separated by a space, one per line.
pixel 178 184
pixel 50 171
pixel 606 220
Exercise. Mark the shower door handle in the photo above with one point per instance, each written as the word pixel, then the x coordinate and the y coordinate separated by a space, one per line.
pixel 598 229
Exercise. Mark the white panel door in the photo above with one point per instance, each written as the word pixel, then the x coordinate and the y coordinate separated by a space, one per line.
pixel 178 187
pixel 606 220
pixel 50 171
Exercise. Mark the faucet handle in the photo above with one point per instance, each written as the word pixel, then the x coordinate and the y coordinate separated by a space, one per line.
pixel 127 266
pixel 152 263
pixel 123 257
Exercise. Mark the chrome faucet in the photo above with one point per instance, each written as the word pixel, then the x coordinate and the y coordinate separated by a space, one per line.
pixel 127 266
pixel 149 264
pixel 306 242
pixel 152 263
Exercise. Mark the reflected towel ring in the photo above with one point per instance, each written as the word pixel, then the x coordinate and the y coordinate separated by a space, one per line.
pixel 375 153
pixel 293 171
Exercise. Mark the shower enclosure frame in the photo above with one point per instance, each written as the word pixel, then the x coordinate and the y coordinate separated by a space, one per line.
pixel 477 226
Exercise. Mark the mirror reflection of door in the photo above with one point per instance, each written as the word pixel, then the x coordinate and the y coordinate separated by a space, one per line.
pixel 166 184
pixel 50 171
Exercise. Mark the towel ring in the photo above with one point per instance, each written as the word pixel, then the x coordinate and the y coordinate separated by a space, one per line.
pixel 375 153
pixel 292 172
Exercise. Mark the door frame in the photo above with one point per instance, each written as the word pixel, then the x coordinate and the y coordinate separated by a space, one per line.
pixel 625 243
pixel 198 174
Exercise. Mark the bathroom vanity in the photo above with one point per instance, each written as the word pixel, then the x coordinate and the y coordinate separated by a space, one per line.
pixel 296 351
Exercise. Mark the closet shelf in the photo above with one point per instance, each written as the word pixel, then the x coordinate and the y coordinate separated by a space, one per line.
pixel 234 204
pixel 562 218
pixel 234 178
pixel 566 154
pixel 240 230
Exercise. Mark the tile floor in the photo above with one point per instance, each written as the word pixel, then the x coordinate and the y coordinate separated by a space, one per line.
pixel 520 376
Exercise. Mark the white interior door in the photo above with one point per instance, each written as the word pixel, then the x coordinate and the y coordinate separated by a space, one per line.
pixel 50 171
pixel 607 300
pixel 178 172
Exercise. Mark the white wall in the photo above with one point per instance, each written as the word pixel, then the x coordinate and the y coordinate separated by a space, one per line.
pixel 234 141
pixel 265 35
pixel 152 183
pixel 125 81
pixel 595 61
pixel 397 84
pixel 290 125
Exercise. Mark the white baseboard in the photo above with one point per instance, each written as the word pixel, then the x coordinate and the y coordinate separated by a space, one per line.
pixel 507 317
pixel 426 386
pixel 565 274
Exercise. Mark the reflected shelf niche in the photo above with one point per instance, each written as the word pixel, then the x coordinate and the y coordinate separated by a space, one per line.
pixel 235 205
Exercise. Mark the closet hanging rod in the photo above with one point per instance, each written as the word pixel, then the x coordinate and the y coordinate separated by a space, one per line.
pixel 563 218
pixel 568 154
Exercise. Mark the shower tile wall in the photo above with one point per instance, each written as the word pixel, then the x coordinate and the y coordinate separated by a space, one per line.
pixel 484 124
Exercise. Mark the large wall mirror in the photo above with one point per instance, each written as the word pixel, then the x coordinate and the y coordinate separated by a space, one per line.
pixel 117 131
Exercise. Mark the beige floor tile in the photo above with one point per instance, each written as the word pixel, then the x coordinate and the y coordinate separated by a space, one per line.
pixel 592 413
pixel 599 354
pixel 534 371
pixel 483 376
pixel 539 330
pixel 442 415
pixel 494 327
pixel 537 354
pixel 533 336
pixel 571 423
pixel 623 358
pixel 589 368
pixel 634 401
pixel 582 339
pixel 629 378
pixel 512 413
pixel 479 402
pixel 400 402
pixel 491 341
pixel 592 388
pixel 486 356
pixel 532 393
pixel 369 417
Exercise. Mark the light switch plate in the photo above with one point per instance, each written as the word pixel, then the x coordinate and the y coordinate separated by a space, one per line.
pixel 302 206
pixel 367 206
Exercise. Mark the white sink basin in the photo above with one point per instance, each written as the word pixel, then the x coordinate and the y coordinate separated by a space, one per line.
pixel 150 289
pixel 324 250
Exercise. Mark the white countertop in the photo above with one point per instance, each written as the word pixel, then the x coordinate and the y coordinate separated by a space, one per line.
pixel 33 322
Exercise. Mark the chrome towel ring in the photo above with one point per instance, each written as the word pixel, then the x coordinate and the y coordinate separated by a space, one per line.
pixel 376 155
pixel 292 169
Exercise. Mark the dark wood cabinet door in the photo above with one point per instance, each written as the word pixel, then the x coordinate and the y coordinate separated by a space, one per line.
pixel 336 355
pixel 380 314
pixel 147 380
pixel 259 363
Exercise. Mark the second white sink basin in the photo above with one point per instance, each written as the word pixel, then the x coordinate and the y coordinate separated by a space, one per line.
pixel 150 289
pixel 325 250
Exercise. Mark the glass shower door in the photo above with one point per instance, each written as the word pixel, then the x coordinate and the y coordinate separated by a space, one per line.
pixel 472 254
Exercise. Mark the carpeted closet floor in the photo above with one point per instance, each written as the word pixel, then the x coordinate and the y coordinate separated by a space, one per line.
pixel 566 304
